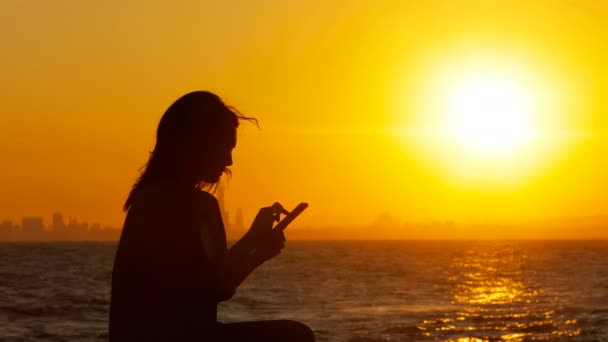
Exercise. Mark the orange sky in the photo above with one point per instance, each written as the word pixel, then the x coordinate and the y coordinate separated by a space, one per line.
pixel 84 85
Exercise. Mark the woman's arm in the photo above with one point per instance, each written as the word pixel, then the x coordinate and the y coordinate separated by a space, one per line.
pixel 245 256
pixel 259 244
pixel 238 263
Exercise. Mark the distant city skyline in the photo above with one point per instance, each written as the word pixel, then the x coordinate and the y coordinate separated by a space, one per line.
pixel 33 229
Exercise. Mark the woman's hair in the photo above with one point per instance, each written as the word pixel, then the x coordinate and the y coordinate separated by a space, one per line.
pixel 198 121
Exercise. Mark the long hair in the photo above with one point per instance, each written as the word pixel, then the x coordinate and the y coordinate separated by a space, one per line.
pixel 195 118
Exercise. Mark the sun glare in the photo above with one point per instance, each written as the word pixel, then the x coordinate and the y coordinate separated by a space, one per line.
pixel 488 114
pixel 482 118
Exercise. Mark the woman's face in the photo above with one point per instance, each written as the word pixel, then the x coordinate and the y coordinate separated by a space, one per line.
pixel 216 157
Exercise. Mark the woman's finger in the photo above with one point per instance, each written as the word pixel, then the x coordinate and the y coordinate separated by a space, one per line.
pixel 279 208
pixel 269 213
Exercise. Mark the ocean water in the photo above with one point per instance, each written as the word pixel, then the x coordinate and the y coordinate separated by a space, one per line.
pixel 345 291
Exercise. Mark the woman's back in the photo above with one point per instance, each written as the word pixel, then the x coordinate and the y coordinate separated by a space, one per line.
pixel 162 277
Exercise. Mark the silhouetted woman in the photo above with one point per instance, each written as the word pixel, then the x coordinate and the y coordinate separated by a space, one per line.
pixel 172 266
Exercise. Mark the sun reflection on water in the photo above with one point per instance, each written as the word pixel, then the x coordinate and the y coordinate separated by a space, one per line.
pixel 494 303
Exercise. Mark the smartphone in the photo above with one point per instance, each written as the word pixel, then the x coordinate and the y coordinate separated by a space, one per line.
pixel 291 216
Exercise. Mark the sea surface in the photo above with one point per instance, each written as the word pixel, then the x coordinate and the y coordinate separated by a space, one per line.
pixel 345 291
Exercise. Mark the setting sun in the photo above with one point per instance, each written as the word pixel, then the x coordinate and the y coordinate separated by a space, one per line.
pixel 488 119
pixel 489 114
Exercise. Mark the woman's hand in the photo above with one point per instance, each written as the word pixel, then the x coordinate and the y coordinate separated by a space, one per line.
pixel 267 243
pixel 270 246
pixel 264 220
pixel 259 244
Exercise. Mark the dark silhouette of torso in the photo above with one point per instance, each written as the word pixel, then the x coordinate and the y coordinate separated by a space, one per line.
pixel 164 281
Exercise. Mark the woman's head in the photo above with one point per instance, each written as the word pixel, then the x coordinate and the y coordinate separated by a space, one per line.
pixel 194 143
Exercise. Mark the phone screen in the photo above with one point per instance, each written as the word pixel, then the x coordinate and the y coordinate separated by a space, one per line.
pixel 291 216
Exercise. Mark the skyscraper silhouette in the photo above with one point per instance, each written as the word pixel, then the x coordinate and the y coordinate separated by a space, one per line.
pixel 32 228
pixel 58 223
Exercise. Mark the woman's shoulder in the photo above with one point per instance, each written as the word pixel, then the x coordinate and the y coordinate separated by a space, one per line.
pixel 163 199
pixel 205 200
pixel 154 195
